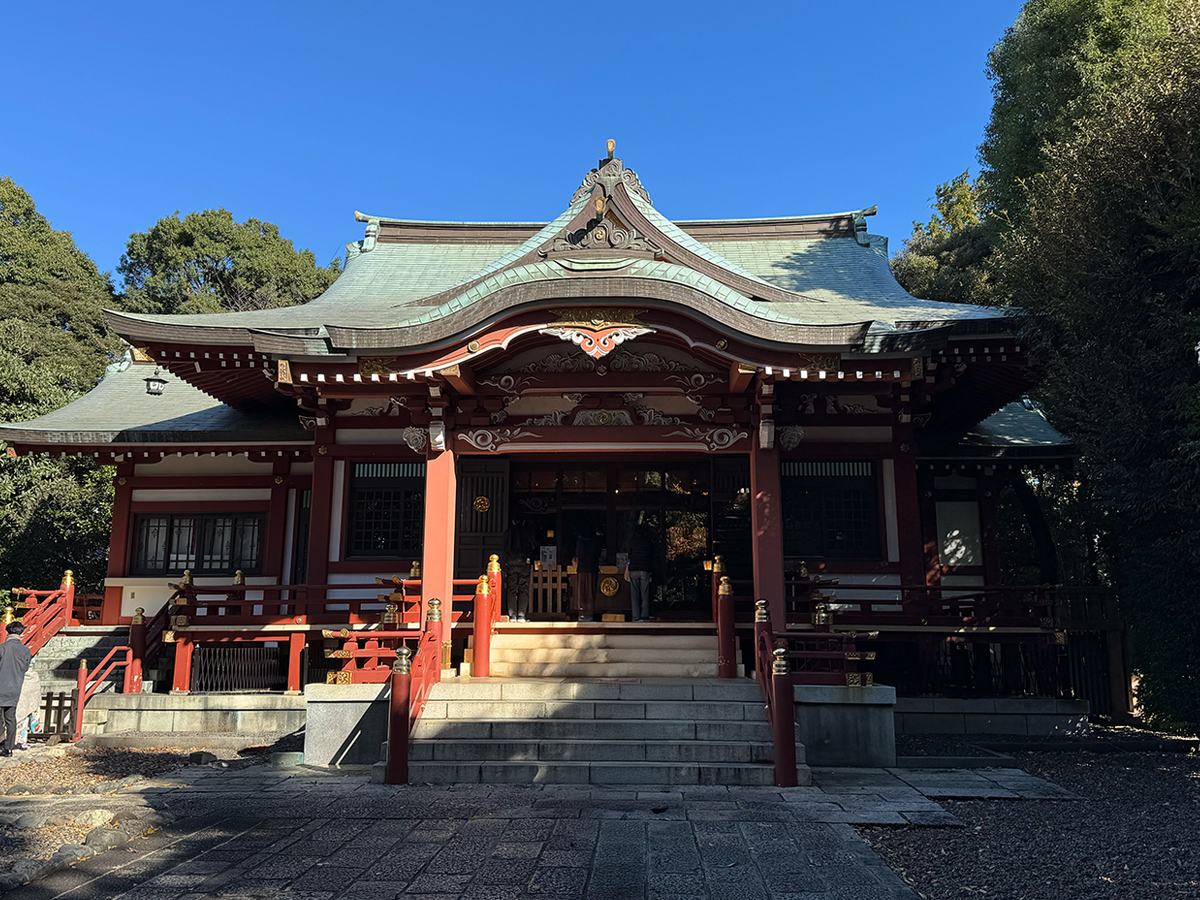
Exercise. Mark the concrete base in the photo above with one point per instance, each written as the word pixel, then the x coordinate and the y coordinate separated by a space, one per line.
pixel 1019 716
pixel 846 726
pixel 347 724
pixel 219 713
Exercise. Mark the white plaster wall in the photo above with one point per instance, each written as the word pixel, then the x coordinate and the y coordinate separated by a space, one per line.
pixel 891 521
pixel 959 537
pixel 173 495
pixel 335 512
pixel 203 465
pixel 151 593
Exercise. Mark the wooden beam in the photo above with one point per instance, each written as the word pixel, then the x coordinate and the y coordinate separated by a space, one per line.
pixel 460 377
pixel 740 376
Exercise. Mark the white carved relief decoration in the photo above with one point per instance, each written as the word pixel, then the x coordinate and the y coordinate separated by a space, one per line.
pixel 790 437
pixel 712 438
pixel 416 438
pixel 598 342
pixel 492 438
pixel 590 417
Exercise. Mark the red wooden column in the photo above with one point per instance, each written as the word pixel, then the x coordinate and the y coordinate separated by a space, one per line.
pixel 908 514
pixel 437 555
pixel 273 549
pixel 321 509
pixel 118 544
pixel 295 677
pixel 766 522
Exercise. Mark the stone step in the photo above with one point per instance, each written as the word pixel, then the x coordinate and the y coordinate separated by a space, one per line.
pixel 597 709
pixel 590 730
pixel 656 773
pixel 593 751
pixel 667 689
pixel 605 670
pixel 576 655
pixel 660 642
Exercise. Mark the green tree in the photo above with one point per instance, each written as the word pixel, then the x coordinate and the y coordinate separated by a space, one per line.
pixel 946 259
pixel 1053 68
pixel 54 514
pixel 207 262
pixel 1106 262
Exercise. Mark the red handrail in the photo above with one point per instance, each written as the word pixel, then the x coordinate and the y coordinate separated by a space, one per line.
pixel 85 687
pixel 47 612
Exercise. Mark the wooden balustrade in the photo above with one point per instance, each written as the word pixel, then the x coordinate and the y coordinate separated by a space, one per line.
pixel 46 612
pixel 85 687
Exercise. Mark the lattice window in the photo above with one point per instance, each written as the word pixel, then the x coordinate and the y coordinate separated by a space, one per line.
pixel 831 510
pixel 387 510
pixel 212 545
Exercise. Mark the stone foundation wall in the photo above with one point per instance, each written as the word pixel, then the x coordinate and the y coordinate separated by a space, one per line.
pixel 214 713
pixel 846 726
pixel 1018 716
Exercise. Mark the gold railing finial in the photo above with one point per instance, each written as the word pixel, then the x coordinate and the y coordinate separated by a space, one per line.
pixel 9 615
pixel 726 587
pixel 718 565
pixel 820 614
pixel 493 566
pixel 239 577
pixel 390 615
pixel 760 610
pixel 186 580
pixel 403 663
pixel 484 588
pixel 779 665
pixel 414 571
pixel 68 578
pixel 435 610
pixel 139 616
pixel 803 569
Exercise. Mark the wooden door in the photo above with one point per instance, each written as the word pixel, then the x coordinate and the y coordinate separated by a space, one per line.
pixel 482 513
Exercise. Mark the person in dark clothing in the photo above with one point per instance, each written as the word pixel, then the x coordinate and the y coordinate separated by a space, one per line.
pixel 14 661
pixel 641 564
pixel 587 568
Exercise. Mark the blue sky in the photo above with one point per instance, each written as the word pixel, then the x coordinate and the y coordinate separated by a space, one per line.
pixel 117 114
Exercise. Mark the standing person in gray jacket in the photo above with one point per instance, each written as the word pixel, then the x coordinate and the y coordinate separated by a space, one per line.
pixel 14 661
pixel 641 565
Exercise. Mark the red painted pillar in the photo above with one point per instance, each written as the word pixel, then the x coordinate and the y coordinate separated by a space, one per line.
pixel 183 665
pixel 726 631
pixel 766 520
pixel 295 676
pixel 118 543
pixel 273 549
pixel 908 516
pixel 437 555
pixel 481 662
pixel 396 766
pixel 137 663
pixel 783 720
pixel 320 513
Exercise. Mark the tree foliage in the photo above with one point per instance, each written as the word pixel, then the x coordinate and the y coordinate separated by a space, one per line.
pixel 1053 68
pixel 947 258
pixel 54 514
pixel 206 262
pixel 1106 261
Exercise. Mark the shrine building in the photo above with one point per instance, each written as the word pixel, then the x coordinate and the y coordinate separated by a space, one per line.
pixel 755 400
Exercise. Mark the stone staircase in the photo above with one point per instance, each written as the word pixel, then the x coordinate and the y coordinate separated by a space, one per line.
pixel 609 654
pixel 57 663
pixel 621 731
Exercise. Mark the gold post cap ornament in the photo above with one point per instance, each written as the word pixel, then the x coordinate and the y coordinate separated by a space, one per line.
pixel 414 570
pixel 435 610
pixel 493 566
pixel 483 588
pixel 803 569
pixel 718 564
pixel 390 615
pixel 83 665
pixel 726 587
pixel 139 616
pixel 9 617
pixel 239 577
pixel 403 663
pixel 68 577
pixel 186 580
pixel 779 666
pixel 760 610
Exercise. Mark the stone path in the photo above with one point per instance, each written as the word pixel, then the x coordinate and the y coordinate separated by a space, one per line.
pixel 300 834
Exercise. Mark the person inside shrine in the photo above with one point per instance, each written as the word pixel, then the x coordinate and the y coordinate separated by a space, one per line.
pixel 587 562
pixel 640 567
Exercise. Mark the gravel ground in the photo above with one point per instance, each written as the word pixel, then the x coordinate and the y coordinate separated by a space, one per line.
pixel 1132 835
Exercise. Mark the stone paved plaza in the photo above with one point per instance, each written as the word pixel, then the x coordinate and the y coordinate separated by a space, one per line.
pixel 305 834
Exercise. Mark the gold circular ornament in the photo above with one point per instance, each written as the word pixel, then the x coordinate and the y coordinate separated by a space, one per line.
pixel 604 417
pixel 722 344
pixel 482 504
pixel 609 586
pixel 600 233
pixel 473 347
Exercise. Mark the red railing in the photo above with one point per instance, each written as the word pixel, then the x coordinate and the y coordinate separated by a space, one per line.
pixel 413 676
pixel 85 687
pixel 46 612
